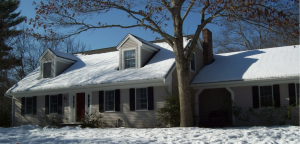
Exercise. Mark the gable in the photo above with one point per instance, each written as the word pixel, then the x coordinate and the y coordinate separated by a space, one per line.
pixel 129 43
pixel 47 57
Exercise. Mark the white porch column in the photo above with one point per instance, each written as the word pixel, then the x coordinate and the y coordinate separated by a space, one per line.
pixel 232 99
pixel 196 108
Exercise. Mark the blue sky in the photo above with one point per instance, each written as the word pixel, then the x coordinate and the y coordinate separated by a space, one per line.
pixel 102 38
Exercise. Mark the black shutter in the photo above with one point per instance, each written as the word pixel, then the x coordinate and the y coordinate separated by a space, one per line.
pixel 132 99
pixel 101 101
pixel 150 98
pixel 60 108
pixel 47 104
pixel 34 105
pixel 255 96
pixel 117 100
pixel 276 95
pixel 23 106
pixel 292 94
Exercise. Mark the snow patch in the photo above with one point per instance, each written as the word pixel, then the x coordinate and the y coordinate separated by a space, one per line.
pixel 34 134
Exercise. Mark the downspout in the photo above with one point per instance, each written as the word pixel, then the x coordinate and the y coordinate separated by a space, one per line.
pixel 12 108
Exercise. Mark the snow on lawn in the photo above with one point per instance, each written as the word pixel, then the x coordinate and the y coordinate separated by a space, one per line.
pixel 34 134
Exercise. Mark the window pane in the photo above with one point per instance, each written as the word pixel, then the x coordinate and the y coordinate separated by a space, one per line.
pixel 109 100
pixel 53 104
pixel 47 70
pixel 141 99
pixel 193 68
pixel 28 104
pixel 266 98
pixel 129 58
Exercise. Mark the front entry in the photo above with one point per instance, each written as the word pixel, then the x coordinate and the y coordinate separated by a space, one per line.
pixel 215 108
pixel 80 107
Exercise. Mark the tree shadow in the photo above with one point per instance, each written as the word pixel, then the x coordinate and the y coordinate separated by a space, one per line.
pixel 227 67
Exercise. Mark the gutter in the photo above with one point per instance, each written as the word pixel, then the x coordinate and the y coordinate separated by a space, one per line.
pixel 96 87
pixel 239 83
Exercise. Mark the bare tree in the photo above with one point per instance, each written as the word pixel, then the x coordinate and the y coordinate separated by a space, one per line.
pixel 154 15
pixel 243 36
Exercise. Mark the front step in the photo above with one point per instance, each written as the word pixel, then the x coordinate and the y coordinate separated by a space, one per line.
pixel 73 125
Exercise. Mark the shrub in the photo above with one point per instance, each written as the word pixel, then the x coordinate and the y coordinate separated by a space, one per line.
pixel 170 113
pixel 52 119
pixel 94 120
pixel 5 117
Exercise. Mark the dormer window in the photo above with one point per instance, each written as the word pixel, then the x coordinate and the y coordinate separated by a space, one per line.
pixel 53 63
pixel 129 59
pixel 47 69
pixel 135 52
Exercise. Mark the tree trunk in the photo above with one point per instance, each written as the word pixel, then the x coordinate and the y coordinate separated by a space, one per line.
pixel 186 115
pixel 182 67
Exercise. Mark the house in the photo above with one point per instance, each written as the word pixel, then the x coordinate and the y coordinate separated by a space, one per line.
pixel 127 82
pixel 262 79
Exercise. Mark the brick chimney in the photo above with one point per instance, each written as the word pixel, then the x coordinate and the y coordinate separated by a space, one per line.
pixel 207 47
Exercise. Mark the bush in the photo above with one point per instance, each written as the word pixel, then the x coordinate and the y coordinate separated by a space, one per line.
pixel 5 117
pixel 266 116
pixel 170 113
pixel 96 120
pixel 5 112
pixel 52 119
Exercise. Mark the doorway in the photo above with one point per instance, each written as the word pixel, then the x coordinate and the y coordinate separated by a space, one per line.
pixel 80 107
pixel 215 108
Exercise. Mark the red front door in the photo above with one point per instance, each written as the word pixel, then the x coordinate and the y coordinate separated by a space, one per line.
pixel 80 107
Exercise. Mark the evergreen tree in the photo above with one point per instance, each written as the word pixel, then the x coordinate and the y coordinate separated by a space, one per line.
pixel 8 20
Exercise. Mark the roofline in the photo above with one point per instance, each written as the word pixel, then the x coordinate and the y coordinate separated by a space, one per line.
pixel 44 53
pixel 60 56
pixel 96 87
pixel 239 83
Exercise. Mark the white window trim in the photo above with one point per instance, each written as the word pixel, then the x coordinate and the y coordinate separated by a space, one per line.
pixel 25 107
pixel 50 104
pixel 191 63
pixel 51 75
pixel 136 100
pixel 260 98
pixel 123 57
pixel 114 101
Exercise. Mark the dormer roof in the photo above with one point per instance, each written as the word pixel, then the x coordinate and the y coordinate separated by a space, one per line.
pixel 139 41
pixel 59 54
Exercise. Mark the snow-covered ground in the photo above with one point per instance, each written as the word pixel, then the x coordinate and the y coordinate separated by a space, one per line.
pixel 34 134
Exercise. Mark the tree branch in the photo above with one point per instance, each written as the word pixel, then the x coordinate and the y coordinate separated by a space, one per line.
pixel 188 10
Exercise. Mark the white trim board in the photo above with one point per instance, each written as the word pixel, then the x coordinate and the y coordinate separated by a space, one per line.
pixel 246 83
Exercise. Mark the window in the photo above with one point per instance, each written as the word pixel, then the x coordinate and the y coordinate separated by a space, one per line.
pixel 53 104
pixel 129 59
pixel 28 105
pixel 141 99
pixel 47 70
pixel 266 96
pixel 109 100
pixel 193 63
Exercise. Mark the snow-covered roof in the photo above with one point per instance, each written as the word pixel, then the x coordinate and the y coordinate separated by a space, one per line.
pixel 145 42
pixel 64 55
pixel 99 69
pixel 279 62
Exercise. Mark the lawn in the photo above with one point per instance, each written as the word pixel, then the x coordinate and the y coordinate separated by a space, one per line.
pixel 35 134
